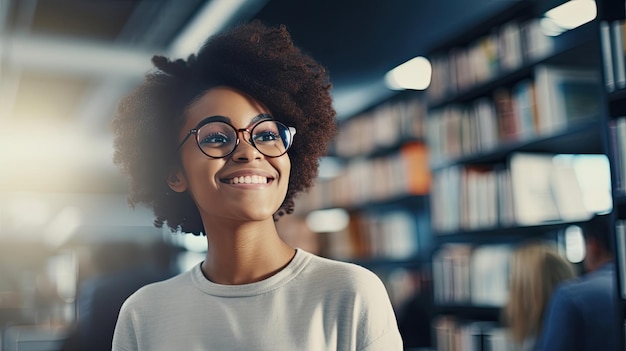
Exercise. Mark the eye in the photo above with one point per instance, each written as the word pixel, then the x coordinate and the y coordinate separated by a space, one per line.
pixel 214 140
pixel 266 136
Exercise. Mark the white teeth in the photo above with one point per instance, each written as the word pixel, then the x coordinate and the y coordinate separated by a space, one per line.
pixel 254 179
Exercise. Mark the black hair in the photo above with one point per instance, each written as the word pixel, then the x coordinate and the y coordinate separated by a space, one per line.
pixel 256 59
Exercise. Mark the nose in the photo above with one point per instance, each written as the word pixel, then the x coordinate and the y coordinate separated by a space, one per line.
pixel 245 150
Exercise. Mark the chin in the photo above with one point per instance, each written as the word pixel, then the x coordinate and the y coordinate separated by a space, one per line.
pixel 257 215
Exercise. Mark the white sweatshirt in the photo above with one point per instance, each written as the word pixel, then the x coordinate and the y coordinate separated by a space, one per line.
pixel 312 304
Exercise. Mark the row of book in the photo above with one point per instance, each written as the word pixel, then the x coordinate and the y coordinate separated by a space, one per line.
pixel 471 275
pixel 552 100
pixel 612 40
pixel 453 334
pixel 365 180
pixel 530 189
pixel 505 48
pixel 471 197
pixel 389 235
pixel 381 127
pixel 617 136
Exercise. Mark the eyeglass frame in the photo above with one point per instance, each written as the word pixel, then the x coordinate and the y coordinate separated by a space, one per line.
pixel 256 120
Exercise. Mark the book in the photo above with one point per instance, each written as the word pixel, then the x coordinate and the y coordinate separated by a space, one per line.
pixel 617 28
pixel 567 190
pixel 508 128
pixel 559 187
pixel 620 243
pixel 489 274
pixel 525 108
pixel 533 199
pixel 620 152
pixel 607 56
pixel 535 44
pixel 565 95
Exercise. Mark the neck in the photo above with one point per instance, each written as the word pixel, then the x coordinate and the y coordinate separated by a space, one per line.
pixel 245 253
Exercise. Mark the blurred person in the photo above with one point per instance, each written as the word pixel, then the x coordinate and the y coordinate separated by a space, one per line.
pixel 210 143
pixel 536 270
pixel 583 314
pixel 121 268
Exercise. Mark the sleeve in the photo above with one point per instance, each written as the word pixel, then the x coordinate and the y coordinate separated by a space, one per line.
pixel 124 337
pixel 381 331
pixel 562 324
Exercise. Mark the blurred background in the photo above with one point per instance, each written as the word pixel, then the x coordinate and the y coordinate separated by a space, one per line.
pixel 64 219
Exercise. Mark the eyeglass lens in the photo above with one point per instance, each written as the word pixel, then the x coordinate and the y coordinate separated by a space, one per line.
pixel 218 139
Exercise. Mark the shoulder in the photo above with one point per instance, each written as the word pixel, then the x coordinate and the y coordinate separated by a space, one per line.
pixel 350 273
pixel 594 283
pixel 340 278
pixel 158 291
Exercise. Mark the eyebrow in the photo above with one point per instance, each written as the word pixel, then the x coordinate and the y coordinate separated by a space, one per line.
pixel 218 118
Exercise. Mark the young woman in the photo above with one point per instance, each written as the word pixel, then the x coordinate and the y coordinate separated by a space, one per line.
pixel 219 145
pixel 536 270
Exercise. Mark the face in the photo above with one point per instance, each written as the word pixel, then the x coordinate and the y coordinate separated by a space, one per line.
pixel 245 185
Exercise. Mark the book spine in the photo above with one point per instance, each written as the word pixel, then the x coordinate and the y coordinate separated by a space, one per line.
pixel 620 241
pixel 618 54
pixel 620 152
pixel 607 56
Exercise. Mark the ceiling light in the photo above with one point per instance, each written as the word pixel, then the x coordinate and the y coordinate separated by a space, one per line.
pixel 414 75
pixel 571 14
pixel 211 19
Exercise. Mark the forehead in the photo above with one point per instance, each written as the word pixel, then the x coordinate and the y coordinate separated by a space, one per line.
pixel 239 107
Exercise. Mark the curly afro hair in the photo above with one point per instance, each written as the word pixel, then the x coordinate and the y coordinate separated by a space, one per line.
pixel 256 59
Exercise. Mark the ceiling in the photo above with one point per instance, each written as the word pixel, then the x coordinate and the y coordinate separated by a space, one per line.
pixel 64 64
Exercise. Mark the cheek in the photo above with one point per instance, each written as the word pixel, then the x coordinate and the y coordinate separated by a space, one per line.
pixel 200 174
pixel 285 171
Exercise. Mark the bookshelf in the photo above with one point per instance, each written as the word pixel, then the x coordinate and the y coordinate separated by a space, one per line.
pixel 611 15
pixel 510 113
pixel 383 183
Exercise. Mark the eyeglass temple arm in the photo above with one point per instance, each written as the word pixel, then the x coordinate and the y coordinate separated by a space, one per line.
pixel 187 137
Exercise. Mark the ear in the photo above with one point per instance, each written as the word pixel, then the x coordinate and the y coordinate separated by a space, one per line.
pixel 177 181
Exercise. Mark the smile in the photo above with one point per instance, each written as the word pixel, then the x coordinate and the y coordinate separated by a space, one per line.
pixel 249 179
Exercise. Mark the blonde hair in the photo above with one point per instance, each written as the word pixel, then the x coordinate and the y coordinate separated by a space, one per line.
pixel 536 269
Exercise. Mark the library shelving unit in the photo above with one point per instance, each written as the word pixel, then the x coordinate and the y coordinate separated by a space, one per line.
pixel 382 182
pixel 510 113
pixel 611 15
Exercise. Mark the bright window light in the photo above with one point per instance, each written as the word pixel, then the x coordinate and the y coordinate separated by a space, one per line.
pixel 327 221
pixel 63 226
pixel 414 74
pixel 570 15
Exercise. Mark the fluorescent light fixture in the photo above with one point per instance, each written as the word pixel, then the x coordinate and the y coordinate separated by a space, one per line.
pixel 77 57
pixel 570 15
pixel 212 18
pixel 414 74
pixel 327 221
pixel 549 28
pixel 350 99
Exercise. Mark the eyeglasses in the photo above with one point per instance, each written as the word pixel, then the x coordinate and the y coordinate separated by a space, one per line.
pixel 218 139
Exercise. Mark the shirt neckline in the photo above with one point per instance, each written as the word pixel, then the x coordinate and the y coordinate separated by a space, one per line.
pixel 285 275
